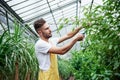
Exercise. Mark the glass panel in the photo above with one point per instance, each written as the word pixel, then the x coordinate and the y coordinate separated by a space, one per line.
pixel 13 2
pixel 85 2
pixel 33 12
pixel 26 4
pixel 29 8
pixel 69 8
pixel 59 4
pixel 37 14
pixel 98 2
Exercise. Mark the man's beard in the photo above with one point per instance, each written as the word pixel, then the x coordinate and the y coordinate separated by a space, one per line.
pixel 47 35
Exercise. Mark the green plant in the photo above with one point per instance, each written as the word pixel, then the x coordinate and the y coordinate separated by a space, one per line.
pixel 65 69
pixel 101 55
pixel 17 59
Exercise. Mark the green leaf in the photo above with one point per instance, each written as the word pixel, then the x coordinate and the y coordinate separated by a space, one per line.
pixel 60 26
pixel 110 47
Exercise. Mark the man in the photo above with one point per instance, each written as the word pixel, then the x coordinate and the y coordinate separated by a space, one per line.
pixel 46 49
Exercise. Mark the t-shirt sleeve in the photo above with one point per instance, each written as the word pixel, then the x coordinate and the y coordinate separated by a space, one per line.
pixel 42 47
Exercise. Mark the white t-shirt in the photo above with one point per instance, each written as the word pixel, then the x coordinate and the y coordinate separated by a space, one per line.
pixel 41 49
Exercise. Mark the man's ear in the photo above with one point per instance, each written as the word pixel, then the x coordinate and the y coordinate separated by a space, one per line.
pixel 39 32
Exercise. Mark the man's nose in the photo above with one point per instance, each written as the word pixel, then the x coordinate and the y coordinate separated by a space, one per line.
pixel 50 30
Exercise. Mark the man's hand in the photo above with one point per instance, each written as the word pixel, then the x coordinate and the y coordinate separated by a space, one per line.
pixel 79 37
pixel 70 34
pixel 78 28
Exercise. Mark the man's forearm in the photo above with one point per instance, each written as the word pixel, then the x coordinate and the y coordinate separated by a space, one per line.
pixel 69 35
pixel 68 46
pixel 64 49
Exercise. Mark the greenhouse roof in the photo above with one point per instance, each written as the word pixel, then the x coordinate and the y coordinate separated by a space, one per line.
pixel 51 10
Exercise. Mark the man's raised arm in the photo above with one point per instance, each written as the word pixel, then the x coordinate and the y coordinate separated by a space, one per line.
pixel 62 50
pixel 69 35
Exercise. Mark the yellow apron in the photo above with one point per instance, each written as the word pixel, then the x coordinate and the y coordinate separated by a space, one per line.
pixel 52 73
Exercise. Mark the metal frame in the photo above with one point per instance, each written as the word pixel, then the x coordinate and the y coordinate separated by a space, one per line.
pixel 34 12
pixel 91 5
pixel 28 5
pixel 8 8
pixel 4 14
pixel 79 9
pixel 31 9
pixel 8 0
pixel 48 12
pixel 19 3
pixel 64 12
pixel 52 15
pixel 51 10
pixel 35 7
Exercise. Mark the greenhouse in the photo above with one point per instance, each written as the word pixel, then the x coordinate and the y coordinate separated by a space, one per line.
pixel 88 33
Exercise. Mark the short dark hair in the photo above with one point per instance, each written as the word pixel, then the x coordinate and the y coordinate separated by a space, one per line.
pixel 39 23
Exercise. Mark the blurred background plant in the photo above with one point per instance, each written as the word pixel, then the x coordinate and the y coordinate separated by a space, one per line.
pixel 100 57
pixel 17 58
pixel 65 69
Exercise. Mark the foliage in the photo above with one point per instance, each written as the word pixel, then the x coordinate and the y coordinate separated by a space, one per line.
pixel 15 48
pixel 65 69
pixel 100 59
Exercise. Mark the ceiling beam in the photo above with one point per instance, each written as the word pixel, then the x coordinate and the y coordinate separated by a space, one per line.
pixel 48 12
pixel 9 9
pixel 28 5
pixel 18 3
pixel 53 16
pixel 91 5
